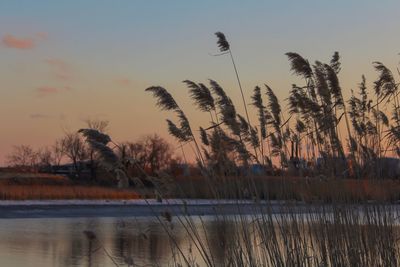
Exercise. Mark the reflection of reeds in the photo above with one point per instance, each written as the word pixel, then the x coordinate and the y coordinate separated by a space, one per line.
pixel 291 234
pixel 315 235
pixel 92 240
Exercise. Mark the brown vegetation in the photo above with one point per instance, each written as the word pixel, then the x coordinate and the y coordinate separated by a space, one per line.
pixel 20 178
pixel 289 188
pixel 45 192
pixel 33 186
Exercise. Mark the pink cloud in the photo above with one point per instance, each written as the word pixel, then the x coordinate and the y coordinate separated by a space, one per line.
pixel 124 82
pixel 11 41
pixel 48 90
pixel 45 90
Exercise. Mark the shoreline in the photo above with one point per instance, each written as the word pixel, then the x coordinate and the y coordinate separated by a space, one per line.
pixel 135 202
pixel 150 207
pixel 126 208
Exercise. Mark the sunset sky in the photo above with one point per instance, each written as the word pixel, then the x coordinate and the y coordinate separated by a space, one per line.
pixel 62 62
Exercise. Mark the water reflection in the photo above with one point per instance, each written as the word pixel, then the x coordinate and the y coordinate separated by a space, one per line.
pixel 62 242
pixel 143 241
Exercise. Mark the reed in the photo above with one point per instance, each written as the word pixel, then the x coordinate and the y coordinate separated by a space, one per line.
pixel 291 235
pixel 312 130
pixel 335 232
pixel 322 221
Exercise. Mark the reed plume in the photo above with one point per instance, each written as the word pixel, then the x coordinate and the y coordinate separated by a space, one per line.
pixel 204 137
pixel 95 135
pixel 385 86
pixel 226 108
pixel 222 43
pixel 201 96
pixel 164 99
pixel 258 104
pixel 224 46
pixel 299 65
pixel 262 119
pixel 177 132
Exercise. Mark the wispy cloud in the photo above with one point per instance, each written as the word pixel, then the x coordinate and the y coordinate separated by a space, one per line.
pixel 48 90
pixel 45 90
pixel 11 41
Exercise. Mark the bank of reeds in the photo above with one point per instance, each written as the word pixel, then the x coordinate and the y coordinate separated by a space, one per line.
pixel 49 192
pixel 289 188
pixel 42 186
pixel 19 178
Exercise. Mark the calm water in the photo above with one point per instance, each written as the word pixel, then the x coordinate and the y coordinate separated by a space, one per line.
pixel 52 242
pixel 61 241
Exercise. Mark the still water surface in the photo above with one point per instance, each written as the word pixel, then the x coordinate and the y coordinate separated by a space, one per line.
pixel 52 242
pixel 144 241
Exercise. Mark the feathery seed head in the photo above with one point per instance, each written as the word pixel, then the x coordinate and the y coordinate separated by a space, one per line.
pixel 222 42
pixel 165 101
pixel 299 65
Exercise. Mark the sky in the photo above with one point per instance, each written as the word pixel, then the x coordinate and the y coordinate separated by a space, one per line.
pixel 63 62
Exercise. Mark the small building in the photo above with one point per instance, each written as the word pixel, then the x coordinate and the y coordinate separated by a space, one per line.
pixel 83 169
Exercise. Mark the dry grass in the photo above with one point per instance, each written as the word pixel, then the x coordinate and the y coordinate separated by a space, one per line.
pixel 32 192
pixel 19 178
pixel 30 186
pixel 290 188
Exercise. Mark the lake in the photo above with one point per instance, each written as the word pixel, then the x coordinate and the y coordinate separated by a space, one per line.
pixel 38 233
pixel 299 235
pixel 62 242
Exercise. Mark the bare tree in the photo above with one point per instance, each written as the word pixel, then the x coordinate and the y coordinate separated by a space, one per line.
pixel 45 158
pixel 159 152
pixel 74 148
pixel 58 152
pixel 23 157
pixel 152 153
